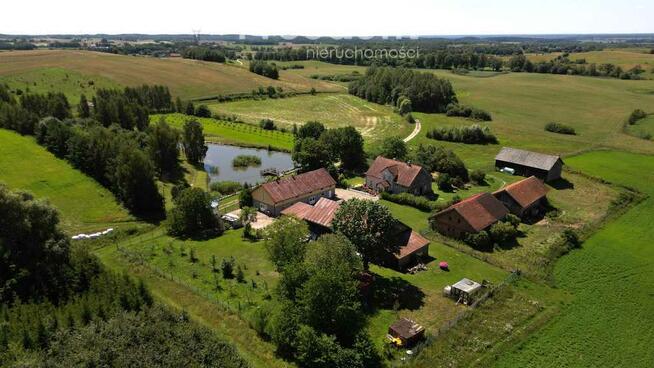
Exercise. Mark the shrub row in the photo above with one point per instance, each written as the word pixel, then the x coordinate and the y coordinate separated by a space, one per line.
pixel 408 199
pixel 473 134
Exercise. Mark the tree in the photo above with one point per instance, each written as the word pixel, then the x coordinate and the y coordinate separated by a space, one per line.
pixel 190 108
pixel 83 108
pixel 345 145
pixel 193 142
pixel 394 147
pixel 245 197
pixel 312 129
pixel 286 241
pixel 203 111
pixel 133 178
pixel 478 177
pixel 310 154
pixel 192 214
pixel 368 225
pixel 163 142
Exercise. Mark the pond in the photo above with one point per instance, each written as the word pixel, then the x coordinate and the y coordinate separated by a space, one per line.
pixel 218 163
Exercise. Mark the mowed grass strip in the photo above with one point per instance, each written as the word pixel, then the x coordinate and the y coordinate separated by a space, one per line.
pixel 83 203
pixel 609 323
pixel 232 133
pixel 373 121
pixel 186 78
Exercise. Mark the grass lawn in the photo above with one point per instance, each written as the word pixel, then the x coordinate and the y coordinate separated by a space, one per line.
pixel 233 133
pixel 334 110
pixel 609 323
pixel 83 203
pixel 45 80
pixel 522 103
pixel 186 78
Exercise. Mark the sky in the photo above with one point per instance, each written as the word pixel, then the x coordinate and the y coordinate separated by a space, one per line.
pixel 341 18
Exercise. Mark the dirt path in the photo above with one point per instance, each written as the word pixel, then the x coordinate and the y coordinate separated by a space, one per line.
pixel 415 132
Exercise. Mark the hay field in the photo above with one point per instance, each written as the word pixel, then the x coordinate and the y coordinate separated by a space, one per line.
pixel 188 79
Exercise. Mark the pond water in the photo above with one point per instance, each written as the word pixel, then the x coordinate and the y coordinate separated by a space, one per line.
pixel 218 163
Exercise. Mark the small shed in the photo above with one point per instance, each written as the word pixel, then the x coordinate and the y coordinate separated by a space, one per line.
pixel 408 331
pixel 463 291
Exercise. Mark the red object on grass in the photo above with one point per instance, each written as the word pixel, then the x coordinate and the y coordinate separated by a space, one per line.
pixel 443 265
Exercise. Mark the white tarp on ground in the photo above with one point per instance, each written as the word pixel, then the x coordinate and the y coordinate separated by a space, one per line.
pixel 92 236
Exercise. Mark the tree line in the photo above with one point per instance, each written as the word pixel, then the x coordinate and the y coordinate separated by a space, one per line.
pixel 563 65
pixel 204 53
pixel 265 69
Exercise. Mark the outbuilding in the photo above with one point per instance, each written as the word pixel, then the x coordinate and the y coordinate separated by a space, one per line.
pixel 527 163
pixel 469 216
pixel 407 331
pixel 465 291
pixel 525 198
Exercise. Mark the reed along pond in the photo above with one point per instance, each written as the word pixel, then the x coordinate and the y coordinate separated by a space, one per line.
pixel 218 163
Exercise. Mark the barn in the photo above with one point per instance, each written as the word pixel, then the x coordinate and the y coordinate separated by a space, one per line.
pixel 386 175
pixel 526 163
pixel 525 198
pixel 469 216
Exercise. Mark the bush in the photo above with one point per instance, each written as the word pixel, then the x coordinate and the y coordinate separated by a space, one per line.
pixel 203 111
pixel 408 199
pixel 227 268
pixel 246 161
pixel 267 124
pixel 636 115
pixel 473 134
pixel 478 177
pixel 480 240
pixel 503 232
pixel 560 128
pixel 225 187
pixel 444 182
pixel 455 109
pixel 442 160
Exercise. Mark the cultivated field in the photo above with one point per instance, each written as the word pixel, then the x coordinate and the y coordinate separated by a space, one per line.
pixel 186 78
pixel 83 203
pixel 334 110
pixel 609 323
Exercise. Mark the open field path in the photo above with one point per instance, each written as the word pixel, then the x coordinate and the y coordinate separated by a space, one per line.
pixel 414 133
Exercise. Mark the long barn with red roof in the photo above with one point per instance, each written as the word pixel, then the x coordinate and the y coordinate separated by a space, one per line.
pixel 469 216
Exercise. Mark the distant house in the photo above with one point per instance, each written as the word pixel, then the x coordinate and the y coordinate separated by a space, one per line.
pixel 319 216
pixel 525 199
pixel 527 163
pixel 398 177
pixel 412 246
pixel 273 197
pixel 407 331
pixel 471 215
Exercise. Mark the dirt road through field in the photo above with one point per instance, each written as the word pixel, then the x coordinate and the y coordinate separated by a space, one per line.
pixel 415 132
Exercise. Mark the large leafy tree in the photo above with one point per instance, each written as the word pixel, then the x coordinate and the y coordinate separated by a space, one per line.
pixel 193 142
pixel 286 241
pixel 192 215
pixel 345 145
pixel 311 154
pixel 163 147
pixel 394 147
pixel 34 252
pixel 368 225
pixel 312 129
pixel 134 181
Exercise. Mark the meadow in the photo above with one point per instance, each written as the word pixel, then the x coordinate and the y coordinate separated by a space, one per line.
pixel 218 131
pixel 373 121
pixel 643 128
pixel 83 203
pixel 624 58
pixel 609 321
pixel 188 79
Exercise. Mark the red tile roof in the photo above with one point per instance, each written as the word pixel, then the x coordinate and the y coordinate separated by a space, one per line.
pixel 480 211
pixel 298 185
pixel 526 192
pixel 411 242
pixel 403 172
pixel 322 213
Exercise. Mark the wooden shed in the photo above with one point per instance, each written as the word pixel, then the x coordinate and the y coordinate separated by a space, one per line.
pixel 526 163
pixel 408 331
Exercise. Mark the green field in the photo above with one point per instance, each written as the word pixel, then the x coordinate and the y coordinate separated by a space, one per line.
pixel 186 78
pixel 610 322
pixel 522 103
pixel 624 58
pixel 233 133
pixel 83 203
pixel 334 110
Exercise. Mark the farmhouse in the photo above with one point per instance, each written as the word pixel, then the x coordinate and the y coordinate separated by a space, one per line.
pixel 527 163
pixel 406 331
pixel 319 216
pixel 525 199
pixel 471 215
pixel 398 177
pixel 271 198
pixel 412 246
